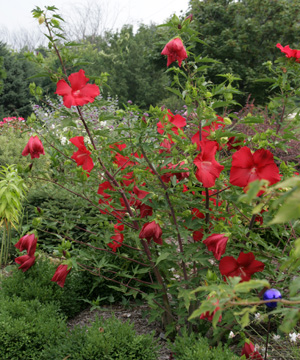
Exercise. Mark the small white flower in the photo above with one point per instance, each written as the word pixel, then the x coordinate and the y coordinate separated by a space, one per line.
pixel 257 316
pixel 293 337
pixel 231 335
pixel 256 347
pixel 63 140
pixel 276 337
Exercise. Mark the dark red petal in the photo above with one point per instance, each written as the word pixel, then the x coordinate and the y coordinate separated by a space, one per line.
pixel 228 266
pixel 255 266
pixel 245 260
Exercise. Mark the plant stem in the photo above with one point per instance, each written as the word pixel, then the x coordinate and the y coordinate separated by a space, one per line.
pixel 171 210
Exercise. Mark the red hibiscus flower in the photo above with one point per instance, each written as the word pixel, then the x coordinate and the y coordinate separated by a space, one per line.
pixel 145 210
pixel 166 177
pixel 118 238
pixel 82 156
pixel 208 168
pixel 250 353
pixel 231 144
pixel 209 316
pixel 151 231
pixel 244 266
pixel 27 242
pixel 217 244
pixel 175 50
pixel 79 93
pixel 60 275
pixel 247 167
pixel 34 147
pixel 198 235
pixel 26 262
pixel 208 132
pixel 178 122
pixel 289 53
pixel 106 199
pixel 166 145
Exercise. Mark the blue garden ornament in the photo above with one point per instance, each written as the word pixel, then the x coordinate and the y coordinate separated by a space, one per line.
pixel 272 294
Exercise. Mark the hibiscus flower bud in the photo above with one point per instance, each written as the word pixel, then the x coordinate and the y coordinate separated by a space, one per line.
pixel 34 147
pixel 151 231
pixel 41 19
pixel 227 120
pixel 60 275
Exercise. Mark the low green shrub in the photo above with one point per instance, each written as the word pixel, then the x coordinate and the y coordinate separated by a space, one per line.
pixel 106 340
pixel 27 327
pixel 191 347
pixel 36 283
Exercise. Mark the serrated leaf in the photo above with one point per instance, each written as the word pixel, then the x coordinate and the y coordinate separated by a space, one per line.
pixel 162 257
pixel 247 286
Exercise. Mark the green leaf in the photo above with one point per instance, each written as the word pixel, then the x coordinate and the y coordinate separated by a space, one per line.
pixel 247 286
pixel 162 257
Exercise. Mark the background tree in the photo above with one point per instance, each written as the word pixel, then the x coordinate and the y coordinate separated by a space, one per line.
pixel 243 35
pixel 15 98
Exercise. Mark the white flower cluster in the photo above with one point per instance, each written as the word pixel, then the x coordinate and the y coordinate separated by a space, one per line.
pixel 294 337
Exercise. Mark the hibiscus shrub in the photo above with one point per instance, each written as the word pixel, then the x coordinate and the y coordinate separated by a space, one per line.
pixel 189 195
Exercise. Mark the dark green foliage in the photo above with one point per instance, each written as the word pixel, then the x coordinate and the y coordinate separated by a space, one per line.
pixel 110 339
pixel 15 98
pixel 128 58
pixel 27 327
pixel 62 213
pixel 191 347
pixel 36 283
pixel 243 35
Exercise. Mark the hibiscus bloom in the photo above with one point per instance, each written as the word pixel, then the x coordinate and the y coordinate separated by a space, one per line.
pixel 210 315
pixel 166 177
pixel 60 275
pixel 145 210
pixel 289 53
pixel 27 242
pixel 151 231
pixel 217 244
pixel 82 156
pixel 208 132
pixel 118 238
pixel 178 122
pixel 208 168
pixel 250 353
pixel 79 93
pixel 26 262
pixel 175 50
pixel 247 167
pixel 244 266
pixel 34 147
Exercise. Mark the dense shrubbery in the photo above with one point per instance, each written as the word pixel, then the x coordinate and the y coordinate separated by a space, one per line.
pixel 191 347
pixel 35 284
pixel 110 339
pixel 28 327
